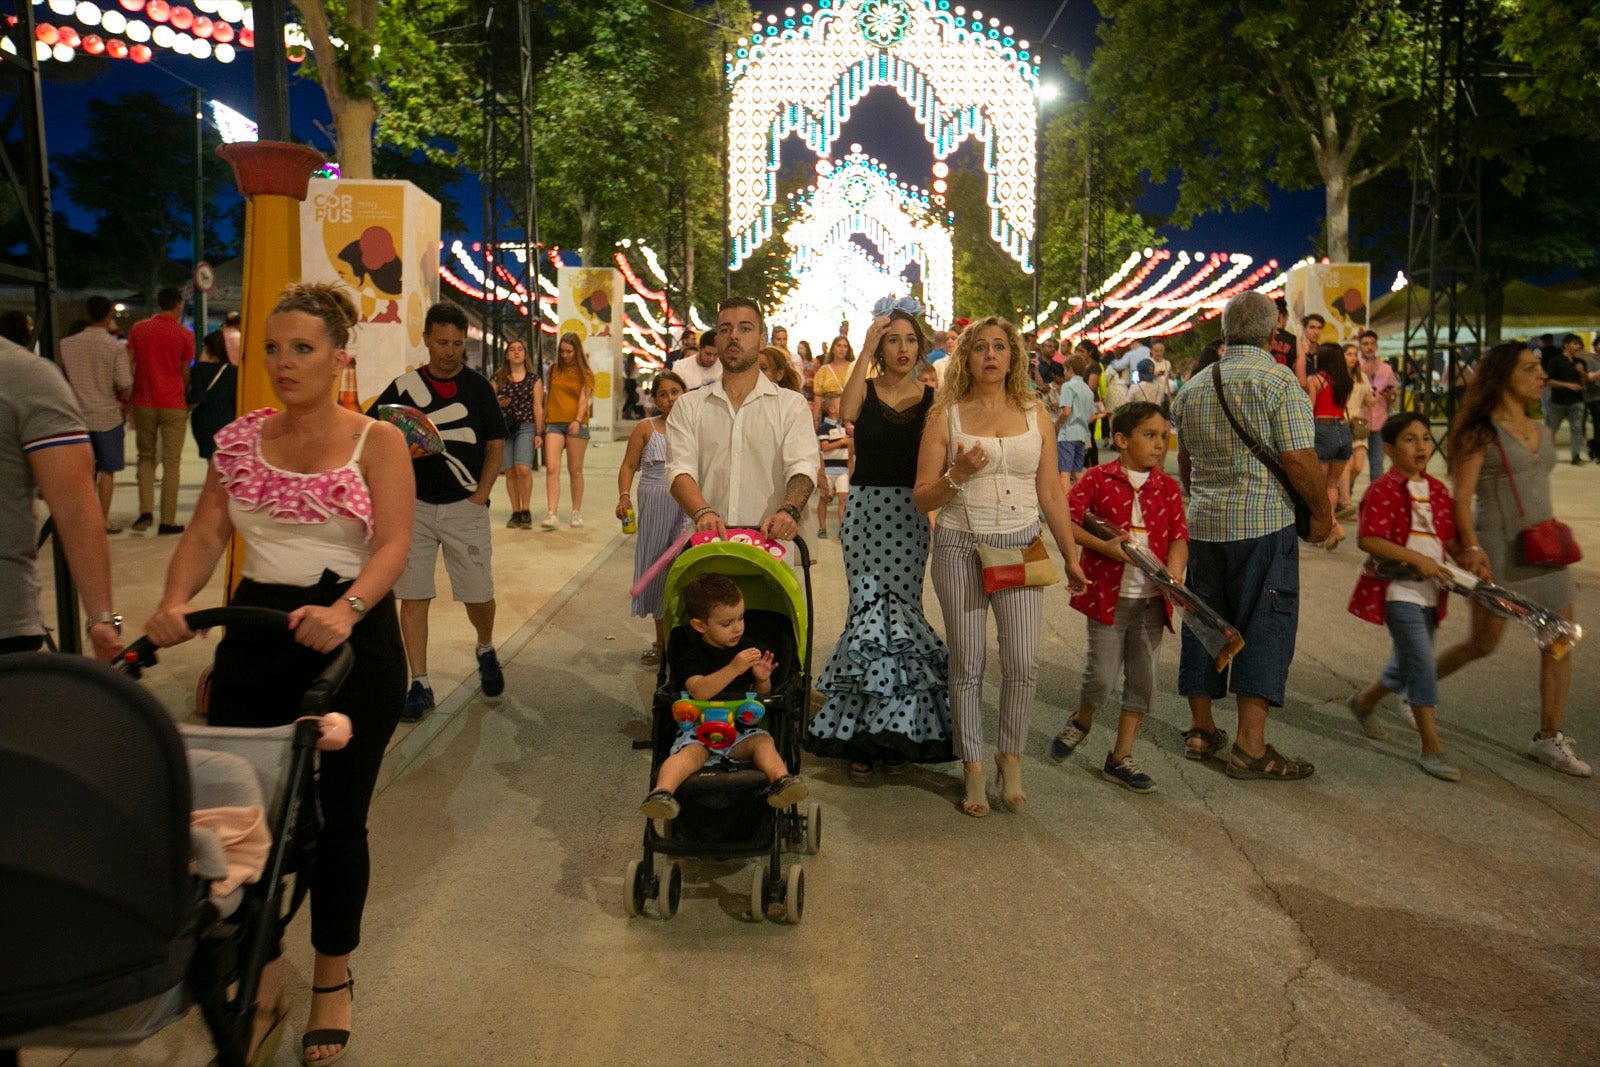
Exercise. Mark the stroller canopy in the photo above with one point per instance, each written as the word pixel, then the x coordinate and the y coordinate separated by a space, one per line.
pixel 767 584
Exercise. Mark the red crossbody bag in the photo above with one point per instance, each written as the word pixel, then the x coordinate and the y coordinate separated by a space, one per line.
pixel 1544 544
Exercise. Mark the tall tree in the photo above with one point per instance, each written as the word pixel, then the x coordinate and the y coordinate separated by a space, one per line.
pixel 136 176
pixel 1068 255
pixel 394 74
pixel 1236 94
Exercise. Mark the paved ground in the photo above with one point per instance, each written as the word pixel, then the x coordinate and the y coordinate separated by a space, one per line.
pixel 1369 916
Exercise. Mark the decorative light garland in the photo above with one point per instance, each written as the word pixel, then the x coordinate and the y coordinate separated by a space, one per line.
pixel 114 30
pixel 1131 304
pixel 963 76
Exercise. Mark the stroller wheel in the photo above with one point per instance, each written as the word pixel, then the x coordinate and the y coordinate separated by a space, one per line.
pixel 794 895
pixel 634 888
pixel 758 894
pixel 813 838
pixel 669 890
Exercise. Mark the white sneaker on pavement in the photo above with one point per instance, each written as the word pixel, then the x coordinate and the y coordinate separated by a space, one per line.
pixel 1556 753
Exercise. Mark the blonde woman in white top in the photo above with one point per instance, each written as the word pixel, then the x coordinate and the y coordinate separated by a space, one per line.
pixel 994 482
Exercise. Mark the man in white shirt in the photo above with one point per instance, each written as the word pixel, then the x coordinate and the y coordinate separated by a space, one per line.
pixel 702 368
pixel 742 450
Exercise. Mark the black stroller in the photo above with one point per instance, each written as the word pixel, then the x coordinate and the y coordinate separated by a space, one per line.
pixel 108 928
pixel 724 813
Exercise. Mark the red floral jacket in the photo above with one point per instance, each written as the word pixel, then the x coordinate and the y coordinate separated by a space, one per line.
pixel 1106 491
pixel 1386 513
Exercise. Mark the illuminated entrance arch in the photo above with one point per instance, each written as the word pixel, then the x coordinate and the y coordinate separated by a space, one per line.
pixel 962 75
pixel 858 196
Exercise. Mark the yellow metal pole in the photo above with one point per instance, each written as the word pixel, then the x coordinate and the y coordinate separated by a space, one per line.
pixel 273 177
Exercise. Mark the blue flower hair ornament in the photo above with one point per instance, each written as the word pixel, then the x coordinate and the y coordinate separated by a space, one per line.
pixel 907 304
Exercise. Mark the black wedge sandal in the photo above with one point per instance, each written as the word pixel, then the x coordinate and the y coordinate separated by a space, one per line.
pixel 313 1038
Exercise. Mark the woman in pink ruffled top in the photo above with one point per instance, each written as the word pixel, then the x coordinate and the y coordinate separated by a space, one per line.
pixel 323 500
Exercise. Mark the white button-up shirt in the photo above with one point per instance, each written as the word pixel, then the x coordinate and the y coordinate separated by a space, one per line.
pixel 742 460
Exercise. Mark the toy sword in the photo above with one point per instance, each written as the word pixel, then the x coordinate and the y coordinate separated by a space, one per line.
pixel 1221 638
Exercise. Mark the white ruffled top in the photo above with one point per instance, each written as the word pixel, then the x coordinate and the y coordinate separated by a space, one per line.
pixel 294 525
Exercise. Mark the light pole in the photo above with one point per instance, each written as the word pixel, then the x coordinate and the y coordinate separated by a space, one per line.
pixel 1047 91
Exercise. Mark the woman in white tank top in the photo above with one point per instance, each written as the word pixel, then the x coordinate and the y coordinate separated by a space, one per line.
pixel 323 499
pixel 988 466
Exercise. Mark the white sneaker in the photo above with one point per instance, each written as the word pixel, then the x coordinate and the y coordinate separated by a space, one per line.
pixel 577 521
pixel 1408 715
pixel 549 522
pixel 1556 753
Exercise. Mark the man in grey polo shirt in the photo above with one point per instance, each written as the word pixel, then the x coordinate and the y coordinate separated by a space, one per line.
pixel 44 451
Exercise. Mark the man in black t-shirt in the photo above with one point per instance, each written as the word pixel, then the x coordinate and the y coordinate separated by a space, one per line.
pixel 1563 398
pixel 452 500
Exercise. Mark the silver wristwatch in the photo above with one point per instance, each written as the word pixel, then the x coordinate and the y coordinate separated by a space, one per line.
pixel 357 605
pixel 105 616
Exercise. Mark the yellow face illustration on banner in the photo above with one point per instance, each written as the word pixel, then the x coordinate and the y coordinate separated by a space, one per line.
pixel 592 294
pixel 360 235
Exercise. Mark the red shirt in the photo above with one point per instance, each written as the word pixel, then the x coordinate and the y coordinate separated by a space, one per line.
pixel 1106 491
pixel 161 347
pixel 1386 513
pixel 1326 406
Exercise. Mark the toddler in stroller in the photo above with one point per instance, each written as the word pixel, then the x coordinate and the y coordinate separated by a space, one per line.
pixel 739 627
pixel 710 659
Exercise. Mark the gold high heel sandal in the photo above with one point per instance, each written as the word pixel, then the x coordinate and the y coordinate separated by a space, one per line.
pixel 1008 779
pixel 976 801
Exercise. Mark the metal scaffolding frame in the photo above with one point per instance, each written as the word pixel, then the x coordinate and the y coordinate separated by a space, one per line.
pixel 1444 260
pixel 26 190
pixel 509 175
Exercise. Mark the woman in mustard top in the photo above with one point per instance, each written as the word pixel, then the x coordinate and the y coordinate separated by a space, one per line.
pixel 832 375
pixel 569 393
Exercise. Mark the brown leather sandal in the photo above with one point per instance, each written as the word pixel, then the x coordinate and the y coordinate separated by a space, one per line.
pixel 1272 766
pixel 1214 740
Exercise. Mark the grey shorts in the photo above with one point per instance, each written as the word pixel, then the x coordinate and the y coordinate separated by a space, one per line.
pixel 462 530
pixel 1129 646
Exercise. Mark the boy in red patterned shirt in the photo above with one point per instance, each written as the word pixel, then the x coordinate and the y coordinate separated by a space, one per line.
pixel 1126 611
pixel 1407 516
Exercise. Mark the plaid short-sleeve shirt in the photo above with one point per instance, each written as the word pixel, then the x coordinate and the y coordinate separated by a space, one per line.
pixel 1232 495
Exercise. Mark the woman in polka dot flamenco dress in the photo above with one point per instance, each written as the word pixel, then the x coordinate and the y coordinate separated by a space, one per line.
pixel 885 682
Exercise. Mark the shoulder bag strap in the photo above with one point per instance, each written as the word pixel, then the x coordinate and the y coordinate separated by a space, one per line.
pixel 1506 463
pixel 1251 445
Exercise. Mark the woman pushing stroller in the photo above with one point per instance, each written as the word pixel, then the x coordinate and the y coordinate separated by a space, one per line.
pixel 323 499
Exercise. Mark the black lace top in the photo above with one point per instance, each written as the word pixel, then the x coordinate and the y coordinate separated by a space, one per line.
pixel 887 441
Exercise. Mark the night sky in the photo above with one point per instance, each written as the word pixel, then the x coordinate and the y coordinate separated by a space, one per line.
pixel 882 123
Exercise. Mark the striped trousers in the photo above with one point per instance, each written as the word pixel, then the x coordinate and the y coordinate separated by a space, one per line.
pixel 958 583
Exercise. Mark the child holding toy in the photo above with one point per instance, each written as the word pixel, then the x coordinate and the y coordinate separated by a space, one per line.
pixel 1407 516
pixel 1126 611
pixel 709 659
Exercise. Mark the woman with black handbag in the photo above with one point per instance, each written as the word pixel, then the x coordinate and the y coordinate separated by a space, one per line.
pixel 1502 458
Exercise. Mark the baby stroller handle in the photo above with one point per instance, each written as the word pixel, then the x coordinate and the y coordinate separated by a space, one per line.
pixel 142 653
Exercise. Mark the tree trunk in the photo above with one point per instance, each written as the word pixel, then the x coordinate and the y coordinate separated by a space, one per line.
pixel 1336 198
pixel 354 122
pixel 589 215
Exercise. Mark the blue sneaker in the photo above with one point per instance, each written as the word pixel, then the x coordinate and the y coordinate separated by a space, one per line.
pixel 1064 744
pixel 490 676
pixel 1127 774
pixel 419 701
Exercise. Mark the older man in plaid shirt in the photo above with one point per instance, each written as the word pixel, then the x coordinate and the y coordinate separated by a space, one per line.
pixel 1244 558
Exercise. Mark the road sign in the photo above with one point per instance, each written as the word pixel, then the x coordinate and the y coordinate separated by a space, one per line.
pixel 205 276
